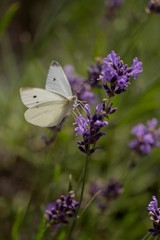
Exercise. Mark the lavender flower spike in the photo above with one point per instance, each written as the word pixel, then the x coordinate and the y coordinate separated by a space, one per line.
pixel 62 209
pixel 111 8
pixel 94 72
pixel 107 193
pixel 80 86
pixel 89 128
pixel 153 6
pixel 146 137
pixel 116 75
pixel 154 212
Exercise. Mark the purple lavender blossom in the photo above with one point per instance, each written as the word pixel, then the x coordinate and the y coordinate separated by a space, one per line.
pixel 111 7
pixel 105 109
pixel 94 72
pixel 62 209
pixel 154 212
pixel 114 3
pixel 146 137
pixel 153 6
pixel 80 85
pixel 89 128
pixel 116 75
pixel 112 190
pixel 107 193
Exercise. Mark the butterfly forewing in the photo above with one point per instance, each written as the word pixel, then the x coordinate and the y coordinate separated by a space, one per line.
pixel 47 115
pixel 32 97
pixel 57 81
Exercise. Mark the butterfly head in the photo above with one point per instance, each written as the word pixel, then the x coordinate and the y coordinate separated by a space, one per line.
pixel 74 101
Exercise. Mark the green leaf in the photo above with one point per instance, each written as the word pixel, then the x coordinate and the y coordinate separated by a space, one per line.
pixel 7 18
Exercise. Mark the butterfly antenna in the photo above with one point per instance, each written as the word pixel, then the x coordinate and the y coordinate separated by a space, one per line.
pixel 74 115
pixel 80 89
pixel 81 104
pixel 78 111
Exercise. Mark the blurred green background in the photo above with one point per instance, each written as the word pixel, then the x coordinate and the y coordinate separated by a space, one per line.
pixel 32 33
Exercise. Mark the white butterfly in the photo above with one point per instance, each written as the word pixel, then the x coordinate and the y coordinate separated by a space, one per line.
pixel 47 108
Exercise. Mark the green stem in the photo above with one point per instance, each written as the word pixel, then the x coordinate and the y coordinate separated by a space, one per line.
pixel 41 229
pixel 81 197
pixel 158 237
pixel 91 200
pixel 147 236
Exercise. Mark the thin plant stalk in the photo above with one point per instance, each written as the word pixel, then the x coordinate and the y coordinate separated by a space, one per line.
pixel 146 237
pixel 91 200
pixel 81 196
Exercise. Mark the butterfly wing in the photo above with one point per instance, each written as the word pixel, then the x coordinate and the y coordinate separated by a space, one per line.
pixel 48 107
pixel 57 81
pixel 32 97
pixel 49 114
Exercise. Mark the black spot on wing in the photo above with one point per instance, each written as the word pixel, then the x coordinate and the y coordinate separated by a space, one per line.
pixel 54 79
pixel 54 63
pixel 34 96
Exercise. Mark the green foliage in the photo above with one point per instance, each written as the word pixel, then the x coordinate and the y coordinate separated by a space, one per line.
pixel 7 17
pixel 32 174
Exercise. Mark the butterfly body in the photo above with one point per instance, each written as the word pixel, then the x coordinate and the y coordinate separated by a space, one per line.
pixel 47 107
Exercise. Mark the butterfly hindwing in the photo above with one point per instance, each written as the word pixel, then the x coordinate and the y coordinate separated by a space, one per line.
pixel 47 115
pixel 57 81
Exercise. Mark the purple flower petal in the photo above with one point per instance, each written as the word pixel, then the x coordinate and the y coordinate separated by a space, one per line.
pixel 116 75
pixel 146 137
